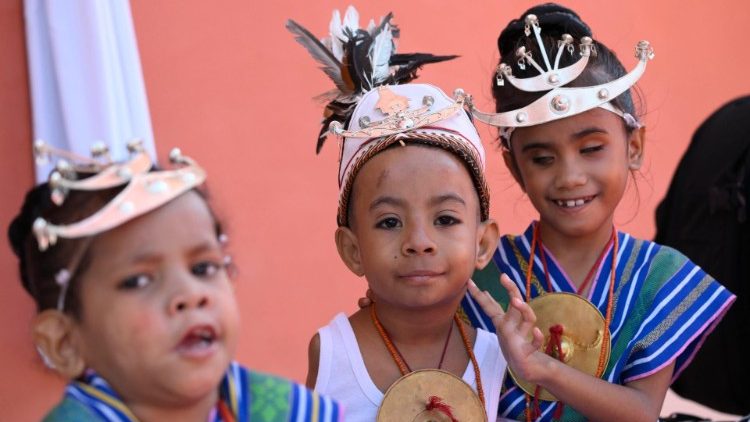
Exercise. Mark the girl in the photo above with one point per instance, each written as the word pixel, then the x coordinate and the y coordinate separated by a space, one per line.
pixel 128 271
pixel 570 138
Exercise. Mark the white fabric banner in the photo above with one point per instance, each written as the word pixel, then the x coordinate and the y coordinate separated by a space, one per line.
pixel 85 77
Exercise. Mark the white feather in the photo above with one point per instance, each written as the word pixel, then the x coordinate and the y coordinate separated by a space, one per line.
pixel 380 54
pixel 337 38
pixel 371 26
pixel 351 19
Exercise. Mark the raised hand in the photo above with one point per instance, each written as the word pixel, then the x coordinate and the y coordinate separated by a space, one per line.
pixel 520 340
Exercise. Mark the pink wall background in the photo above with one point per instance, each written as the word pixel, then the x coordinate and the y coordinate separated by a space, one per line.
pixel 229 85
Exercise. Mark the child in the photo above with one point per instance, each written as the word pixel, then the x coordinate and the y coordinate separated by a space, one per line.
pixel 569 138
pixel 128 272
pixel 413 220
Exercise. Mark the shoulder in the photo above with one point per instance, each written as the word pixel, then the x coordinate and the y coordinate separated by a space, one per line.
pixel 278 396
pixel 70 410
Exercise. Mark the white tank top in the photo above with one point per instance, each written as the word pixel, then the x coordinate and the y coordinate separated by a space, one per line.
pixel 343 376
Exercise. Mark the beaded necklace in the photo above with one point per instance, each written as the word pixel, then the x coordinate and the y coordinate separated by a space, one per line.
pixel 536 240
pixel 404 367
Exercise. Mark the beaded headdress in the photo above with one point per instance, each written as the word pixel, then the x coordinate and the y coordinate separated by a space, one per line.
pixel 560 101
pixel 374 106
pixel 142 191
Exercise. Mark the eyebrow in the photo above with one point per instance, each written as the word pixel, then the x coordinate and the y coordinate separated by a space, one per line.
pixel 448 197
pixel 155 256
pixel 389 200
pixel 575 136
pixel 386 200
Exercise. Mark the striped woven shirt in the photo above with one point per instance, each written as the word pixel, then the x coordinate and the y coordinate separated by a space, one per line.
pixel 249 396
pixel 664 307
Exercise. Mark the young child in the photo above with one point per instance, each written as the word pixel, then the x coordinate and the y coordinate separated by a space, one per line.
pixel 128 271
pixel 570 138
pixel 413 220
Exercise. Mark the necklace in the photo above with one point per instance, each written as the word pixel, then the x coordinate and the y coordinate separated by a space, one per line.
pixel 556 334
pixel 404 367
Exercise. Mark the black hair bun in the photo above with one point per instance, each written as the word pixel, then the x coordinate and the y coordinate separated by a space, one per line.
pixel 553 18
pixel 36 202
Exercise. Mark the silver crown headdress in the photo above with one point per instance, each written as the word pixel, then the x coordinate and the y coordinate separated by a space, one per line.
pixel 143 191
pixel 560 101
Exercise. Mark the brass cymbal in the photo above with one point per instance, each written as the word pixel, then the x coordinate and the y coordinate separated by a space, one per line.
pixel 407 398
pixel 582 337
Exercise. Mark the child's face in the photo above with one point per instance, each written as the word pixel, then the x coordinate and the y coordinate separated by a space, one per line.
pixel 575 170
pixel 159 320
pixel 415 229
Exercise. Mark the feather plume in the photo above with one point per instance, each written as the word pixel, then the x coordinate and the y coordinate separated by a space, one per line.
pixel 329 64
pixel 358 60
pixel 381 50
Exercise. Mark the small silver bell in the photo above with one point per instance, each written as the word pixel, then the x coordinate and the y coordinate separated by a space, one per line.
pixel 175 156
pixel 428 100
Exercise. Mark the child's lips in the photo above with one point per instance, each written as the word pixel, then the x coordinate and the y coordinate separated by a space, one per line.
pixel 418 276
pixel 198 342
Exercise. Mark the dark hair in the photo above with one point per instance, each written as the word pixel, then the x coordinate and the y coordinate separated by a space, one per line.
pixel 38 268
pixel 555 20
pixel 448 144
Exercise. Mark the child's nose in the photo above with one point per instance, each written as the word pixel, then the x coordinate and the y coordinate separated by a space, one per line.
pixel 418 242
pixel 570 175
pixel 191 295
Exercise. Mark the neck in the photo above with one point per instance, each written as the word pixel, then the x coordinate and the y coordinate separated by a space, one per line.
pixel 576 254
pixel 413 326
pixel 197 411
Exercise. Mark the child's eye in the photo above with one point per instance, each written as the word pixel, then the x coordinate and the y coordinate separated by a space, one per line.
pixel 135 282
pixel 592 149
pixel 205 269
pixel 542 159
pixel 388 223
pixel 447 220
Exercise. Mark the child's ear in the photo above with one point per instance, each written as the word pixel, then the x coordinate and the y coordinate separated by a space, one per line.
pixel 56 340
pixel 348 247
pixel 487 237
pixel 510 163
pixel 636 144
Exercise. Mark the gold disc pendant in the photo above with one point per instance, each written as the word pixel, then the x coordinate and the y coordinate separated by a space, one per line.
pixel 408 397
pixel 582 337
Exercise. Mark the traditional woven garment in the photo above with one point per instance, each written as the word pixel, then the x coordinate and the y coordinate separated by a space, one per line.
pixel 247 395
pixel 664 307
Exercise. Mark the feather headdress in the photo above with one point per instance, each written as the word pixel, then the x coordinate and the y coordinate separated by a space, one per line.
pixel 358 60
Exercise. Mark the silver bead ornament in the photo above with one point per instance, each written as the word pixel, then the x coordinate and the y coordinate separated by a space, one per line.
pixel 336 128
pixel 560 104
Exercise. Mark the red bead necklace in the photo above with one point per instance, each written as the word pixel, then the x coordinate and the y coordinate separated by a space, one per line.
pixel 404 367
pixel 536 240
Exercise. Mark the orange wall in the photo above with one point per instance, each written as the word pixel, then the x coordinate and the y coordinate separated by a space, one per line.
pixel 229 85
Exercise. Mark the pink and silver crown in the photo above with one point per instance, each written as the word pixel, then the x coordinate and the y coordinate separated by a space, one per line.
pixel 560 101
pixel 144 190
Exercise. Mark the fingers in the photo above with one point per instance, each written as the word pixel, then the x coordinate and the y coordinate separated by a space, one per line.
pixel 510 286
pixel 488 304
pixel 538 338
pixel 366 301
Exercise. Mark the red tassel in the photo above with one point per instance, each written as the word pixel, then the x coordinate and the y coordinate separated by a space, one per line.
pixel 555 343
pixel 558 410
pixel 436 403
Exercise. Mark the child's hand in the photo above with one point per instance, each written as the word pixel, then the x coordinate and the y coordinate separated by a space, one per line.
pixel 366 301
pixel 519 339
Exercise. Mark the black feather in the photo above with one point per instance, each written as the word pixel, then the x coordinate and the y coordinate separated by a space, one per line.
pixel 408 65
